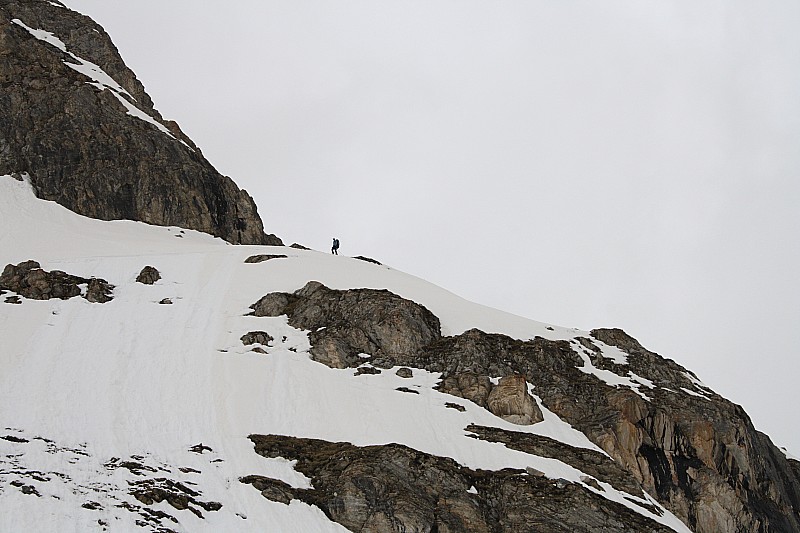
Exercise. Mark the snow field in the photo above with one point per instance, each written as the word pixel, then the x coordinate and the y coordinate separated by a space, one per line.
pixel 133 377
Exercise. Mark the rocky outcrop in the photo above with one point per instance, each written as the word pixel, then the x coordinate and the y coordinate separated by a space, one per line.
pixel 700 455
pixel 28 279
pixel 510 401
pixel 393 488
pixel 694 451
pixel 80 124
pixel 467 385
pixel 344 324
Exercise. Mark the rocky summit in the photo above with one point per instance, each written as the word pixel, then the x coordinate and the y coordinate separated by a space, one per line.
pixel 162 384
pixel 76 120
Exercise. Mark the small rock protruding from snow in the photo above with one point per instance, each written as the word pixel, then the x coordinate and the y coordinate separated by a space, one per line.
pixel 264 257
pixel 200 448
pixel 404 372
pixel 368 259
pixel 256 337
pixel 148 275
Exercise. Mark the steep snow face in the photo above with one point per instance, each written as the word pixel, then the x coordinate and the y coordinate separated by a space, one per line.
pixel 97 395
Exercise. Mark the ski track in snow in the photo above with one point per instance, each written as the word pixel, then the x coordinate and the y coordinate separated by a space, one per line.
pixel 135 378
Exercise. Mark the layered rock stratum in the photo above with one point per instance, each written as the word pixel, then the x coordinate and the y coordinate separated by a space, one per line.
pixel 76 120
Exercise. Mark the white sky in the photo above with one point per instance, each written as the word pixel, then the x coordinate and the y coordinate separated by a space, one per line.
pixel 631 164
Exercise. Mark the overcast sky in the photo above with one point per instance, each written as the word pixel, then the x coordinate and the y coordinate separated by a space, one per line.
pixel 630 164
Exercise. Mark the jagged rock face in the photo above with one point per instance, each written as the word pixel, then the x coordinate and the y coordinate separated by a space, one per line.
pixel 83 148
pixel 696 452
pixel 31 281
pixel 701 456
pixel 393 488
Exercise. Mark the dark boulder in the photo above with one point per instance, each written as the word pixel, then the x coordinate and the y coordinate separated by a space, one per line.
pixel 404 372
pixel 148 275
pixel 98 291
pixel 28 279
pixel 256 337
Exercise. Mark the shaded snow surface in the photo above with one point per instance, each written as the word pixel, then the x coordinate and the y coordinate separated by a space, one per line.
pixel 86 385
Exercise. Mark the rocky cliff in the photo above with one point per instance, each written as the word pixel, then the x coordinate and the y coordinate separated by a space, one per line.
pixel 662 429
pixel 76 119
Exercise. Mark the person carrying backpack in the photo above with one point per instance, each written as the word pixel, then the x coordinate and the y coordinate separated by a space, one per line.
pixel 335 247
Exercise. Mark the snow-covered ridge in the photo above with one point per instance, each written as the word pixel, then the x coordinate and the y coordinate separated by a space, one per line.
pixel 99 77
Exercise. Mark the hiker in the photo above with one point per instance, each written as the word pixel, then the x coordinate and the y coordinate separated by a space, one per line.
pixel 335 247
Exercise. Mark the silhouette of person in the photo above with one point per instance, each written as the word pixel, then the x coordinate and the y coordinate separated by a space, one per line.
pixel 335 247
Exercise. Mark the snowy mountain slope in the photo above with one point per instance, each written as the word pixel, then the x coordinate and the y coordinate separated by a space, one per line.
pixel 85 383
pixel 260 387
